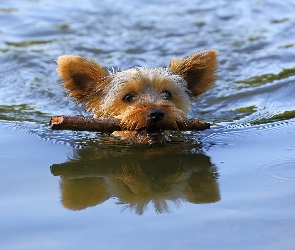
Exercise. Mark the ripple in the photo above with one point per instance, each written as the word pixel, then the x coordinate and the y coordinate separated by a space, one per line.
pixel 235 133
pixel 279 170
pixel 243 129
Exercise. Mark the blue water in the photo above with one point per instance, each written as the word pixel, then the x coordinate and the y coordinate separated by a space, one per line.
pixel 230 187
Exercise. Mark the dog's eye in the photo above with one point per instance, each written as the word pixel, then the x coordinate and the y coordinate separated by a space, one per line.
pixel 129 97
pixel 166 94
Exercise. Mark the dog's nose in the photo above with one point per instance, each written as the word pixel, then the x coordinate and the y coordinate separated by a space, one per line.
pixel 156 115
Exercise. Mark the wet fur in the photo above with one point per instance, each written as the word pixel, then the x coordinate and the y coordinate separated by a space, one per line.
pixel 133 95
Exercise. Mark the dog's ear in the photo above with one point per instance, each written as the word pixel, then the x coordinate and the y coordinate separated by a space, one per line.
pixel 83 77
pixel 197 69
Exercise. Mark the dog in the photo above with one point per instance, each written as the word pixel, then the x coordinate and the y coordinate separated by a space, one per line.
pixel 140 96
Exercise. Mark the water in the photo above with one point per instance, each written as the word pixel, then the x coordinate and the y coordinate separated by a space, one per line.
pixel 225 188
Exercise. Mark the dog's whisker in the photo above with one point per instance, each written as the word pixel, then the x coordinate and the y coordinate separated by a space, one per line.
pixel 143 98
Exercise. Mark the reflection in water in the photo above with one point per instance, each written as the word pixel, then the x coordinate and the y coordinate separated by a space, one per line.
pixel 136 179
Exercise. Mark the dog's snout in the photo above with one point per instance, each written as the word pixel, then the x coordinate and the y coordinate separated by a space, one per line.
pixel 156 115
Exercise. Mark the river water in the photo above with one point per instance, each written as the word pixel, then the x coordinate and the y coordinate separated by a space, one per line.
pixel 230 187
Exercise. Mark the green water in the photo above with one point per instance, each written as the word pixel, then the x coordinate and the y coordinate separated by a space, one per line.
pixel 230 187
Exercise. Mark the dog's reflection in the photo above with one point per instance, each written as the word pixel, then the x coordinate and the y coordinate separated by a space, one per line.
pixel 137 179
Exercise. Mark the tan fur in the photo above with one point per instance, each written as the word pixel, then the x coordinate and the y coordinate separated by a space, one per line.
pixel 197 69
pixel 84 78
pixel 133 95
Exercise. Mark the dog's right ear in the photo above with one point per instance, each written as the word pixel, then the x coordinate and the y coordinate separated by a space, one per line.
pixel 83 77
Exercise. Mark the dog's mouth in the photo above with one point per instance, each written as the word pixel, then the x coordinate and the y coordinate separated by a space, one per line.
pixel 152 128
pixel 156 128
pixel 149 131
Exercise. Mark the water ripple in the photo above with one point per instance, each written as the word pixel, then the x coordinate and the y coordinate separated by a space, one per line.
pixel 278 170
pixel 229 134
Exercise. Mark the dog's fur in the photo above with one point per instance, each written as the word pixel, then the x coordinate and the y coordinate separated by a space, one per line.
pixel 139 96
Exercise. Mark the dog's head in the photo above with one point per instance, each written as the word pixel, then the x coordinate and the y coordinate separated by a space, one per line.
pixel 141 97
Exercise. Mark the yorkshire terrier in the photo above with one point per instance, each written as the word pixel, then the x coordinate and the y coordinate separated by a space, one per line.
pixel 139 96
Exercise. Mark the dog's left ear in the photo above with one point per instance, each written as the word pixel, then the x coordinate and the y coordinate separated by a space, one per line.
pixel 199 70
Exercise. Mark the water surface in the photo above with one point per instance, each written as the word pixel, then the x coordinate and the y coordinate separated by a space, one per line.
pixel 225 188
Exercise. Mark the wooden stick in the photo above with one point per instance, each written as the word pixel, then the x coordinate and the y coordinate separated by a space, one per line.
pixel 81 123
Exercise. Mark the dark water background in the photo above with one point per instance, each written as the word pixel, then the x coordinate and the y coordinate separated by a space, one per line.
pixel 230 187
